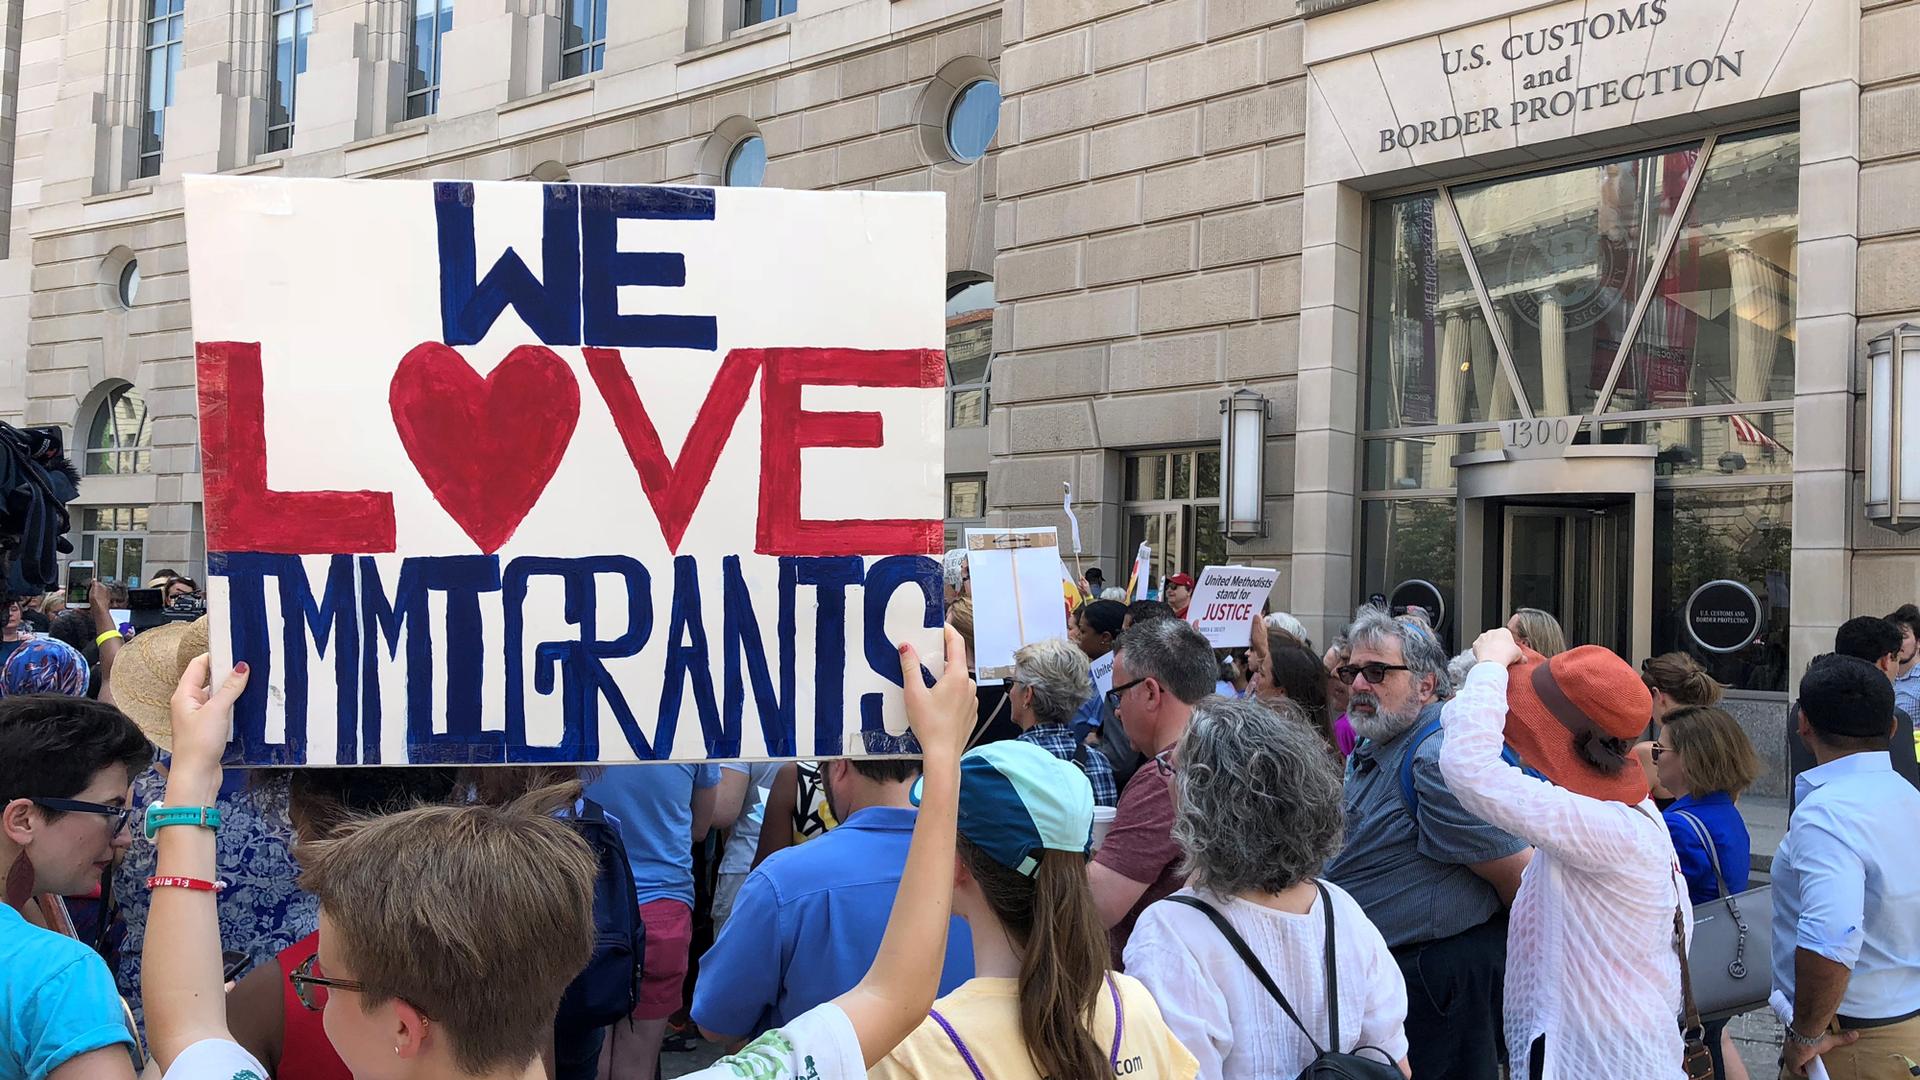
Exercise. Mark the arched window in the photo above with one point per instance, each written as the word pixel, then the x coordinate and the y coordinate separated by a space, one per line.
pixel 119 440
pixel 969 352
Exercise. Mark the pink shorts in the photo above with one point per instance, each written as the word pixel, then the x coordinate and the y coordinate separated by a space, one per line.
pixel 669 926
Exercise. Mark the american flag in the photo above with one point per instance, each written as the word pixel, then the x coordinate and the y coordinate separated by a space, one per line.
pixel 1745 431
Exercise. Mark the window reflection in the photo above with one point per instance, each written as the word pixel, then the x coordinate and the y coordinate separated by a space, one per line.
pixel 1408 538
pixel 1742 534
pixel 1719 328
pixel 1431 358
pixel 969 353
pixel 1565 256
pixel 1741 444
pixel 1424 462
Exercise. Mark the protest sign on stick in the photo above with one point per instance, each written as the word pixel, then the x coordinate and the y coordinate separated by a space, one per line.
pixel 1016 594
pixel 518 473
pixel 1225 600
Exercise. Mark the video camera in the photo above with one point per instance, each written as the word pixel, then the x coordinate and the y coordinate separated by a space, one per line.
pixel 36 484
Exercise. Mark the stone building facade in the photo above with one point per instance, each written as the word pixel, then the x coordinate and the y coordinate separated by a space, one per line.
pixel 1405 224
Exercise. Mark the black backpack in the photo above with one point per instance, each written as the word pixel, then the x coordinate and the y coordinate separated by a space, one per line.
pixel 608 988
pixel 1328 1063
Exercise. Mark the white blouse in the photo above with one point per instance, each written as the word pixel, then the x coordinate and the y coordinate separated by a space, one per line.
pixel 1590 960
pixel 1229 1022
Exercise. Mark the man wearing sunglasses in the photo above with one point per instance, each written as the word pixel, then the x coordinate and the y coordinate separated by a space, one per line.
pixel 66 772
pixel 1435 879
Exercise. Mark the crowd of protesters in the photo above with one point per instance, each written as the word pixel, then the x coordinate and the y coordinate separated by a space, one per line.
pixel 1137 856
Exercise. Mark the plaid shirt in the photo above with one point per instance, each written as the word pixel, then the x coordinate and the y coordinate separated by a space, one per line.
pixel 1057 739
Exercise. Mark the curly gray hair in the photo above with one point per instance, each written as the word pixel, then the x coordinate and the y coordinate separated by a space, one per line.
pixel 1259 804
pixel 1056 671
pixel 1420 647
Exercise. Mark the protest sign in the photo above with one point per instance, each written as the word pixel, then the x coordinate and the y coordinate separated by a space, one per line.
pixel 517 473
pixel 1016 594
pixel 1103 674
pixel 1225 600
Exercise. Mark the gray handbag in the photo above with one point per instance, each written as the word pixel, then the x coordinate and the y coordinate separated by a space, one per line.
pixel 1731 955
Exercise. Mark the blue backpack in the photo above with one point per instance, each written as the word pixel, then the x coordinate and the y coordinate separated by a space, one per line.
pixel 1411 798
pixel 608 988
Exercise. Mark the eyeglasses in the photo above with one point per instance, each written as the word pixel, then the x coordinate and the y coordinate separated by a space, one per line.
pixel 1114 695
pixel 119 814
pixel 1375 672
pixel 312 989
pixel 1657 750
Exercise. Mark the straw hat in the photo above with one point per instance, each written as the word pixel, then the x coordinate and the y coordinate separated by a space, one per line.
pixel 147 671
pixel 1574 719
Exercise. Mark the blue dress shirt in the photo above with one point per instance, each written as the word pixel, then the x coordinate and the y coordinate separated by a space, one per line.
pixel 807 925
pixel 1846 884
pixel 1726 828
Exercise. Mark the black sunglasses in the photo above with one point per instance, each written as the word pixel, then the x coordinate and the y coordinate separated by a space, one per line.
pixel 119 814
pixel 1114 695
pixel 1375 672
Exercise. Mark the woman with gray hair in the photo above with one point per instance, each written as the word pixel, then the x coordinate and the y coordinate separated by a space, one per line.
pixel 1050 683
pixel 1258 815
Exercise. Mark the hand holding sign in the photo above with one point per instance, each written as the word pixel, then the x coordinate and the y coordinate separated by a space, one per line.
pixel 1226 600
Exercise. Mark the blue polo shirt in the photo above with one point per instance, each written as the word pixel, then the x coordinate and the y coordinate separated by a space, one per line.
pixel 807 925
pixel 1728 831
pixel 652 804
pixel 56 1000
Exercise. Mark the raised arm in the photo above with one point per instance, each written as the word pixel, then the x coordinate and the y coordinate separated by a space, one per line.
pixel 894 996
pixel 1581 831
pixel 180 976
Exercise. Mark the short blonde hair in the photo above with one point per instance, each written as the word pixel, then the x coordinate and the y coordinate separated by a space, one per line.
pixel 1539 631
pixel 479 916
pixel 1717 752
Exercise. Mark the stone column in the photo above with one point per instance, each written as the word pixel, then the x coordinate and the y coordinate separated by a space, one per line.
pixel 1759 314
pixel 494 54
pixel 355 77
pixel 214 117
pixel 1553 359
pixel 647 33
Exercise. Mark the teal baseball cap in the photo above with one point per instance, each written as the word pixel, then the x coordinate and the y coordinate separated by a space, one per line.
pixel 1017 800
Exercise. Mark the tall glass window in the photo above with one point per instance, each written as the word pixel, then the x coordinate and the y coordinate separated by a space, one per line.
pixel 292 25
pixel 969 353
pixel 759 11
pixel 166 28
pixel 583 41
pixel 119 439
pixel 1652 293
pixel 1172 504
pixel 426 42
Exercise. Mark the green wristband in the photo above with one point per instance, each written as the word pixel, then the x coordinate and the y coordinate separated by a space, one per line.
pixel 159 817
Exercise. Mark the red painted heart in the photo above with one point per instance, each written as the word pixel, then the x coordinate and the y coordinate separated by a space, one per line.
pixel 486 447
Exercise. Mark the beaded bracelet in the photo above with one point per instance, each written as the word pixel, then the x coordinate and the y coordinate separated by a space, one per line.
pixel 196 884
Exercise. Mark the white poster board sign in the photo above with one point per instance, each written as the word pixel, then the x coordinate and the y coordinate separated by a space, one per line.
pixel 518 473
pixel 1103 674
pixel 1225 600
pixel 1016 594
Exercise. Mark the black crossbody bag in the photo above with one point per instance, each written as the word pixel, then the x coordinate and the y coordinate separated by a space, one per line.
pixel 1329 1063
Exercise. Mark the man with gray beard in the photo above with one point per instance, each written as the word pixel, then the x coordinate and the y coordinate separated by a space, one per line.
pixel 1435 879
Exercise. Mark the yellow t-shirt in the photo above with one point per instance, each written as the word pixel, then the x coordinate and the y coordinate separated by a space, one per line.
pixel 985 1013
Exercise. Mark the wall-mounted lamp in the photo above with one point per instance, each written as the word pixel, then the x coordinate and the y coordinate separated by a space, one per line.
pixel 1243 460
pixel 1893 449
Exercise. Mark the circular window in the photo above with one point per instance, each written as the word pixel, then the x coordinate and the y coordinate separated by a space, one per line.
pixel 550 172
pixel 129 288
pixel 747 163
pixel 974 118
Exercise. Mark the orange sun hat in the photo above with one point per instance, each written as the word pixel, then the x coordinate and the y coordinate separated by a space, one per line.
pixel 1574 719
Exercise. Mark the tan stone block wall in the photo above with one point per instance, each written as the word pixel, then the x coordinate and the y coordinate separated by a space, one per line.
pixel 1886 565
pixel 1150 167
pixel 851 118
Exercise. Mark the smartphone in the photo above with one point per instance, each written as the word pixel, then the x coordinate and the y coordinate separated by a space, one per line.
pixel 79 580
pixel 233 964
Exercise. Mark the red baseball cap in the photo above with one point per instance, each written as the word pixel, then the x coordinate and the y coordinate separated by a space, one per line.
pixel 1180 579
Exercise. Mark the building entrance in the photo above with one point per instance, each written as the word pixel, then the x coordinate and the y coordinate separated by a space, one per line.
pixel 1575 563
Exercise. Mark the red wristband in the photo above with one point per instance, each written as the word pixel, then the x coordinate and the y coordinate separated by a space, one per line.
pixel 196 884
